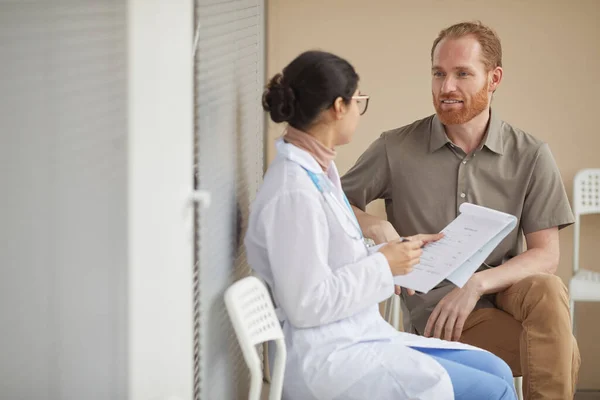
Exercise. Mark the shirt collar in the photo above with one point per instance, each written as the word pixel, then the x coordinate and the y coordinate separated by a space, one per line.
pixel 492 139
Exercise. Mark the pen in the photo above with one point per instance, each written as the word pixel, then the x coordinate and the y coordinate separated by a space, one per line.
pixel 403 239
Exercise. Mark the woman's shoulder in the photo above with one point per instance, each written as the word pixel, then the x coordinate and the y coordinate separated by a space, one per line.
pixel 285 176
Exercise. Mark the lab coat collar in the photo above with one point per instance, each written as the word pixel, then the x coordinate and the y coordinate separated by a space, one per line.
pixel 299 156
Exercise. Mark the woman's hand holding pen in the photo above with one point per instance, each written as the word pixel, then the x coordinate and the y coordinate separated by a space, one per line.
pixel 404 254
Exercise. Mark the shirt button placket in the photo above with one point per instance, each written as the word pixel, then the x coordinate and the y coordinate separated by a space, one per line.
pixel 461 190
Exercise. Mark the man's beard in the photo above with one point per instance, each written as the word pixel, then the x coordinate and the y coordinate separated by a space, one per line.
pixel 477 104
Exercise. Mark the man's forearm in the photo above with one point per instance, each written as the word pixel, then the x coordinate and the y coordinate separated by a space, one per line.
pixel 365 220
pixel 376 228
pixel 531 262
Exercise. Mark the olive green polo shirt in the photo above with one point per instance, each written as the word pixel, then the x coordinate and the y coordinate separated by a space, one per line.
pixel 424 178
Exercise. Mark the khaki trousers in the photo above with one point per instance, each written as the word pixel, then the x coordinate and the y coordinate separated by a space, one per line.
pixel 531 331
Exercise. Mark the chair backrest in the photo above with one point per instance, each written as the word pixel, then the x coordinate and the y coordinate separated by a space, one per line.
pixel 586 192
pixel 586 200
pixel 251 311
pixel 254 320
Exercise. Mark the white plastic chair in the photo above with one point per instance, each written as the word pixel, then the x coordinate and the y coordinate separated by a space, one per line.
pixel 391 313
pixel 585 284
pixel 518 381
pixel 253 317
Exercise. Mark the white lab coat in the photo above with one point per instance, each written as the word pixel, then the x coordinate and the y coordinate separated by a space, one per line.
pixel 327 288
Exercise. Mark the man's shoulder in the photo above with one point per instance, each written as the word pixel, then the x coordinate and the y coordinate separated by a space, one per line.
pixel 416 128
pixel 518 141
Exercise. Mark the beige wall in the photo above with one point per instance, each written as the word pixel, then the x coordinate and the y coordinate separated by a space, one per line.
pixel 551 84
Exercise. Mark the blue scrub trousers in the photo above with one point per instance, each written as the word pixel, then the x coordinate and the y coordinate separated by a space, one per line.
pixel 475 375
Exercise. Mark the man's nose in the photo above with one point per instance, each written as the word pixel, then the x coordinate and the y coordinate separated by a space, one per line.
pixel 449 84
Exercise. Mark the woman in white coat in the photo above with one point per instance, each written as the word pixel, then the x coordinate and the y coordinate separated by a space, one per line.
pixel 305 242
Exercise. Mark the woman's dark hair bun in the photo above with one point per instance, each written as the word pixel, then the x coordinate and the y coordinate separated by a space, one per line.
pixel 307 86
pixel 279 99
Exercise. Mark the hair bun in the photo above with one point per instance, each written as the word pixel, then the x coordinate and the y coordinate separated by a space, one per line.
pixel 279 99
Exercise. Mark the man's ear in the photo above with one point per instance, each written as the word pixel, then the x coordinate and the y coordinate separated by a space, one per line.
pixel 495 78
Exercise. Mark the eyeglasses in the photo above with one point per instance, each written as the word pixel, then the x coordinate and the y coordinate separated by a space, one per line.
pixel 363 102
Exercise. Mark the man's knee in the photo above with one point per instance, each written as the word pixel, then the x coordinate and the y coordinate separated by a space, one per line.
pixel 498 332
pixel 546 291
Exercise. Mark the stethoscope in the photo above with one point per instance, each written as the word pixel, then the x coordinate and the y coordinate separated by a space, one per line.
pixel 320 181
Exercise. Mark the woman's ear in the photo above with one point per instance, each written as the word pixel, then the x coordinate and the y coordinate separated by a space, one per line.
pixel 339 108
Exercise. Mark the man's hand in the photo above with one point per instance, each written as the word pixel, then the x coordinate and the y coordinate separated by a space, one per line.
pixel 449 316
pixel 398 290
